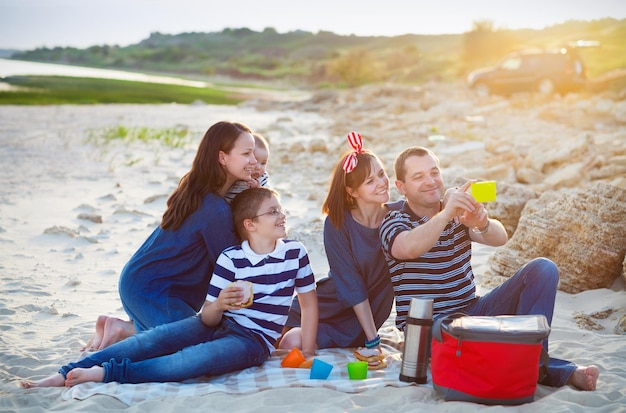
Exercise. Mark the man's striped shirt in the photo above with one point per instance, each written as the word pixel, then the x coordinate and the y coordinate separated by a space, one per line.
pixel 443 274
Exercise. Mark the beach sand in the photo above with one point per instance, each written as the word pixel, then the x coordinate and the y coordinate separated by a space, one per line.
pixel 60 264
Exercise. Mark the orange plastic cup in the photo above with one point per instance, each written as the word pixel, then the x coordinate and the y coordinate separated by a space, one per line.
pixel 293 359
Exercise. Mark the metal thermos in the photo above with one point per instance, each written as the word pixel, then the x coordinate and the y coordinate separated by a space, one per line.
pixel 417 336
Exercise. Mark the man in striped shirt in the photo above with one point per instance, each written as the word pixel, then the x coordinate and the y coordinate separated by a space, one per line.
pixel 427 245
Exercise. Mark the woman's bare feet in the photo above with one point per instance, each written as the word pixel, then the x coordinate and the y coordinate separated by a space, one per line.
pixel 109 330
pixel 94 342
pixel 77 376
pixel 585 378
pixel 56 380
pixel 116 330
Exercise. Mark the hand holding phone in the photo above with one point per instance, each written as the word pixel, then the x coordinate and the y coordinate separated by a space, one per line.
pixel 484 191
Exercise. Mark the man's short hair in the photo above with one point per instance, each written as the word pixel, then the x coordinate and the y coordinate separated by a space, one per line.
pixel 400 163
pixel 246 206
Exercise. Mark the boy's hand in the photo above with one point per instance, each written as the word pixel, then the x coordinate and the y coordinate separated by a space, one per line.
pixel 230 298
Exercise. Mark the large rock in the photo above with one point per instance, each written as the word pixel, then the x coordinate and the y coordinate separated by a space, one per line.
pixel 582 231
pixel 509 204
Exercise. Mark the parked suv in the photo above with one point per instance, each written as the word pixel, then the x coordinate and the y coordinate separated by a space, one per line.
pixel 543 71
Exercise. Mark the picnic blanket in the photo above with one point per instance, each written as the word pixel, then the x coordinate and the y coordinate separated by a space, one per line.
pixel 268 376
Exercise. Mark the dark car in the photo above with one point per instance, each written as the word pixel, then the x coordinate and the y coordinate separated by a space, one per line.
pixel 543 71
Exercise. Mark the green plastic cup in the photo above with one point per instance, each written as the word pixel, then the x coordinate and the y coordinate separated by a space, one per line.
pixel 357 370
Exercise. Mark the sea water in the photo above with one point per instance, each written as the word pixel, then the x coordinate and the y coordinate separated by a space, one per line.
pixel 9 67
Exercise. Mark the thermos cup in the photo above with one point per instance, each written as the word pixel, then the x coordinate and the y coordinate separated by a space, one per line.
pixel 417 336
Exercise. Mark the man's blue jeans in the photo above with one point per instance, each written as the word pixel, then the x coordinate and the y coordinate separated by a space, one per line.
pixel 178 351
pixel 532 290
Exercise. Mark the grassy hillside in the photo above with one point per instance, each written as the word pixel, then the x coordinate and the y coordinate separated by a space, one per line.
pixel 328 59
pixel 55 90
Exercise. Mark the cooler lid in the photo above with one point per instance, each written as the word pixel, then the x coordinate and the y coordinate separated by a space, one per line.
pixel 517 329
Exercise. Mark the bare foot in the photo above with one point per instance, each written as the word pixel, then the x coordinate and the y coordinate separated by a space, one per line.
pixel 56 380
pixel 116 330
pixel 77 376
pixel 585 378
pixel 94 342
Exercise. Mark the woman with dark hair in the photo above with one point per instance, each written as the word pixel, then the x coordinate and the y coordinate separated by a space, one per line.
pixel 356 298
pixel 167 278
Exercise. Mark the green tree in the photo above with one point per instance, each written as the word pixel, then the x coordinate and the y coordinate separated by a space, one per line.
pixel 355 67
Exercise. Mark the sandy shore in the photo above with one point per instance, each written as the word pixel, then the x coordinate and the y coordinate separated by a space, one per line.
pixel 59 269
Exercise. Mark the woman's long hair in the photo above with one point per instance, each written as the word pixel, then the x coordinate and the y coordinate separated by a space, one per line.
pixel 206 174
pixel 338 200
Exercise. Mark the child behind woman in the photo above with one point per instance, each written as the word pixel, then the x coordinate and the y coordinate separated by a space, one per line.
pixel 224 336
pixel 260 177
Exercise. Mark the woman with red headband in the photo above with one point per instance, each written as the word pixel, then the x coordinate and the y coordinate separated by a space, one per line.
pixel 356 297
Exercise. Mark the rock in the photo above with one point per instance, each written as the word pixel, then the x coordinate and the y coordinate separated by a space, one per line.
pixel 510 201
pixel 90 217
pixel 325 95
pixel 155 198
pixel 527 175
pixel 614 166
pixel 296 147
pixel 582 231
pixel 586 322
pixel 318 145
pixel 61 230
pixel 570 175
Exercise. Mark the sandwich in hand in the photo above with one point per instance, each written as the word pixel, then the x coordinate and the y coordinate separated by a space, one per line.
pixel 248 293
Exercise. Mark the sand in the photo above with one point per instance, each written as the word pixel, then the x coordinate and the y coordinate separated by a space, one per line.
pixel 60 265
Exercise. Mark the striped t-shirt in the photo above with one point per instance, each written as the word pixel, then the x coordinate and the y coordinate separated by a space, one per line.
pixel 443 274
pixel 274 278
pixel 240 186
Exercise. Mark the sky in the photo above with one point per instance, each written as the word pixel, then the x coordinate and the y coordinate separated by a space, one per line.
pixel 28 24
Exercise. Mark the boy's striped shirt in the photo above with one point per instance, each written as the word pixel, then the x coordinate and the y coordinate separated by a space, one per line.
pixel 274 276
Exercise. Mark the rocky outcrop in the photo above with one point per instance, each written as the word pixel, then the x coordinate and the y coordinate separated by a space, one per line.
pixel 510 202
pixel 557 147
pixel 582 231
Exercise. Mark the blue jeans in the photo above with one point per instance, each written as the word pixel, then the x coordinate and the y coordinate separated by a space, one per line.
pixel 532 290
pixel 178 351
pixel 147 311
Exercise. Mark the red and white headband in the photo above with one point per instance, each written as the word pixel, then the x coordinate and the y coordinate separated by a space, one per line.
pixel 356 142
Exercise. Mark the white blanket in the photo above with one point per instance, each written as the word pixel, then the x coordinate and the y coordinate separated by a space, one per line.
pixel 268 376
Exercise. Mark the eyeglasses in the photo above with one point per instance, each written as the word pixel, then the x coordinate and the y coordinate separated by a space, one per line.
pixel 275 212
